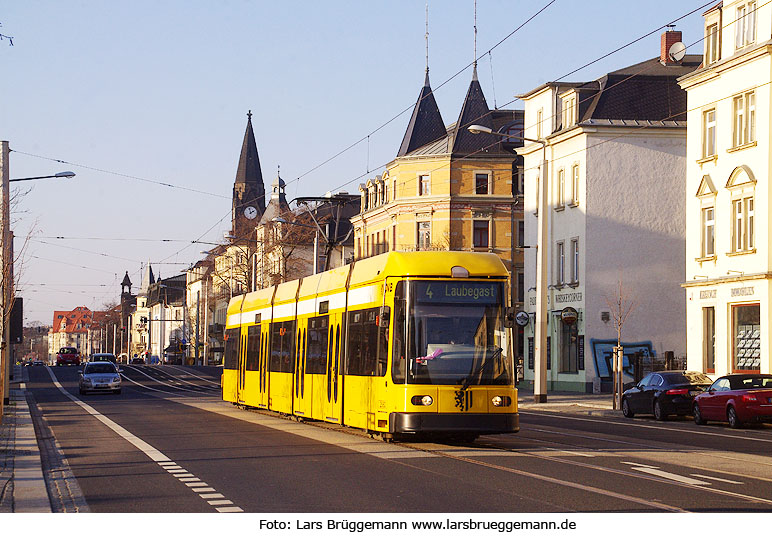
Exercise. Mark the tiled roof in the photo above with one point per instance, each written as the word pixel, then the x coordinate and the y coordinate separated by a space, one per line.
pixel 82 316
pixel 249 162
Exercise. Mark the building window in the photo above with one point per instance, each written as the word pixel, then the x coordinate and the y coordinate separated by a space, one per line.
pixel 708 133
pixel 385 192
pixel 746 328
pixel 539 121
pixel 480 237
pixel 569 111
pixel 481 183
pixel 520 233
pixel 744 124
pixel 423 185
pixel 712 45
pixel 520 287
pixel 745 26
pixel 424 240
pixel 709 339
pixel 575 185
pixel 708 232
pixel 560 189
pixel 518 179
pixel 742 225
pixel 574 260
pixel 560 264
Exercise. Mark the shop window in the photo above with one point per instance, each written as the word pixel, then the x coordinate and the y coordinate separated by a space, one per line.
pixel 569 347
pixel 709 339
pixel 746 331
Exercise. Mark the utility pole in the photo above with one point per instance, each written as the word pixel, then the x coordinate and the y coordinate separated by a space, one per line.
pixel 4 273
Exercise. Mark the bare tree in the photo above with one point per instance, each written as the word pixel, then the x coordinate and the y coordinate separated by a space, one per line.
pixel 621 303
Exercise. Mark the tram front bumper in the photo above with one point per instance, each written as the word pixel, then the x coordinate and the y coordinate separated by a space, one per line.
pixel 482 423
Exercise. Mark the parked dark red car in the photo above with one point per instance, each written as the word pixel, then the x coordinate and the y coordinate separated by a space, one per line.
pixel 736 399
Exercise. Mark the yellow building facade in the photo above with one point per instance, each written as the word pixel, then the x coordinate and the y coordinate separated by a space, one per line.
pixel 449 189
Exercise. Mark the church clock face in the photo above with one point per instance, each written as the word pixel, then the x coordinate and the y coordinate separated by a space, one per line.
pixel 250 213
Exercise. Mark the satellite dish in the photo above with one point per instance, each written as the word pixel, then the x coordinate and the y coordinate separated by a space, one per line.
pixel 677 51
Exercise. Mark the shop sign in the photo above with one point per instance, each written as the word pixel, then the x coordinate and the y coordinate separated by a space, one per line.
pixel 570 297
pixel 742 291
pixel 708 294
pixel 569 316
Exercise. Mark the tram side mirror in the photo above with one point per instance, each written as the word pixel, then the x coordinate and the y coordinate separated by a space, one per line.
pixel 383 316
pixel 509 317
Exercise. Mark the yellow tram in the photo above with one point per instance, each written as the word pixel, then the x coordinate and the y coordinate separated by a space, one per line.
pixel 399 344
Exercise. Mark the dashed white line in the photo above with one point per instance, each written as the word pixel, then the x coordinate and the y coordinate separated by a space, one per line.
pixel 154 454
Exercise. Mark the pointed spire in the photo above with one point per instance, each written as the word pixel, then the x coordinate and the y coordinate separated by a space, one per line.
pixel 249 171
pixel 147 280
pixel 426 123
pixel 474 111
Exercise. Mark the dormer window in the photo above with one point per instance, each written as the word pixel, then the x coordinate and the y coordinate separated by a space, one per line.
pixel 745 26
pixel 569 110
pixel 712 44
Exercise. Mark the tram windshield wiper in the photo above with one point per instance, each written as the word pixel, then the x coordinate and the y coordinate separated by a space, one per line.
pixel 466 382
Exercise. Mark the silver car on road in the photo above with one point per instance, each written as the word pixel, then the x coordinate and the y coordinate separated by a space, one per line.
pixel 101 376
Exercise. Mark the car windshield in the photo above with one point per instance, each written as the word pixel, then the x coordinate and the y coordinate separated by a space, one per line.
pixel 751 381
pixel 100 368
pixel 450 333
pixel 695 378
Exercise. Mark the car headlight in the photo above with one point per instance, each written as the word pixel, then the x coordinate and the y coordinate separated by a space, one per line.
pixel 501 401
pixel 86 381
pixel 117 379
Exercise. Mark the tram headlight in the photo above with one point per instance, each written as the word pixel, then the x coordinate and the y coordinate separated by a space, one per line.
pixel 419 400
pixel 501 401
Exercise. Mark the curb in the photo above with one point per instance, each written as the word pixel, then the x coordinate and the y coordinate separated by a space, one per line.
pixel 23 464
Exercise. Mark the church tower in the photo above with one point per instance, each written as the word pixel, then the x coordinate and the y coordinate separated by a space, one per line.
pixel 248 189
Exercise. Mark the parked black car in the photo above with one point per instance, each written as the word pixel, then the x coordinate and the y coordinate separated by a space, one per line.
pixel 664 393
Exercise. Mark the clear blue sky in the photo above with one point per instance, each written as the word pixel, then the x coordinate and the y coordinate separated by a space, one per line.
pixel 160 91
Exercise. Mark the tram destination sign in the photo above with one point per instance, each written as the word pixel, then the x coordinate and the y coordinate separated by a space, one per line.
pixel 476 292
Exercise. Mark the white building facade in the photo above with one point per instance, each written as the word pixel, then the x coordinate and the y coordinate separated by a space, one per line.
pixel 615 215
pixel 728 263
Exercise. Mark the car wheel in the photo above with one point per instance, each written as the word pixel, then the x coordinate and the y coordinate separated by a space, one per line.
pixel 659 413
pixel 698 415
pixel 731 416
pixel 82 391
pixel 626 411
pixel 117 392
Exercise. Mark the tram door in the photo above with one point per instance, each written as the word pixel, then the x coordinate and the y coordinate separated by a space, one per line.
pixel 263 360
pixel 300 403
pixel 242 367
pixel 334 374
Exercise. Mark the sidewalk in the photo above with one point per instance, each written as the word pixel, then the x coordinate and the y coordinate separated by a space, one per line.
pixel 22 486
pixel 567 402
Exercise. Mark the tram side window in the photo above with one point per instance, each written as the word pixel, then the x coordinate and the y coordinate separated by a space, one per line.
pixel 316 358
pixel 231 357
pixel 282 338
pixel 399 351
pixel 253 347
pixel 366 349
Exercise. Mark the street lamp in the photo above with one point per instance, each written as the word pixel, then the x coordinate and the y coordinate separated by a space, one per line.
pixel 540 335
pixel 6 265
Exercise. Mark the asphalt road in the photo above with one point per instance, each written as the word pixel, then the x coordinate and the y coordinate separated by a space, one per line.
pixel 168 444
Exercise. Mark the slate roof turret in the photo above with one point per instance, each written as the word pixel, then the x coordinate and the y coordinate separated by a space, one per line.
pixel 426 125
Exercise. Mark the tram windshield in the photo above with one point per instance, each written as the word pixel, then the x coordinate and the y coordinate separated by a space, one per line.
pixel 450 333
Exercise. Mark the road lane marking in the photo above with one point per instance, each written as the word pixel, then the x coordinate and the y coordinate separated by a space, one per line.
pixel 670 476
pixel 226 509
pixel 196 484
pixel 640 465
pixel 154 454
pixel 658 428
pixel 212 495
pixel 717 479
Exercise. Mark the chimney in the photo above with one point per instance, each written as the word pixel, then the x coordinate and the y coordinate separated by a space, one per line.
pixel 668 38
